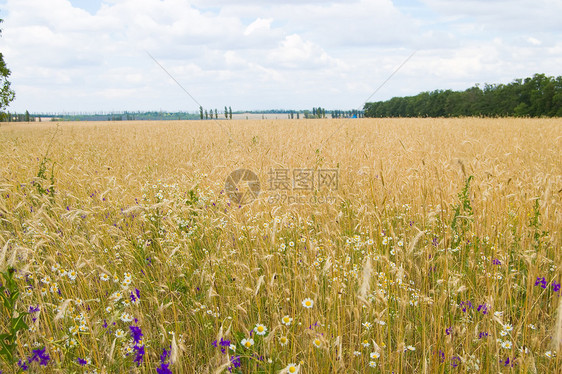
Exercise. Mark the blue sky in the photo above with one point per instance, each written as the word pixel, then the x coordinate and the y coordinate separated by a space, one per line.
pixel 90 55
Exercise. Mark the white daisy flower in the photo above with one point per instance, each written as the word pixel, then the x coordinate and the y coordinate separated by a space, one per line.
pixel 260 329
pixel 308 303
pixel 126 317
pixel 72 274
pixel 286 320
pixel 506 344
pixel 317 343
pixel 292 368
pixel 247 343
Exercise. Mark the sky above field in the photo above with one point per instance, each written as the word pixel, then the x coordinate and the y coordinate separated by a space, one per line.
pixel 93 55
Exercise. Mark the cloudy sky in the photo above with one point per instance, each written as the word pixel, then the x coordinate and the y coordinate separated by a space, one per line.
pixel 91 55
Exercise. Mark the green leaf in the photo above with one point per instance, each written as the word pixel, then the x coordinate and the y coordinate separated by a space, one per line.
pixel 6 351
pixel 18 323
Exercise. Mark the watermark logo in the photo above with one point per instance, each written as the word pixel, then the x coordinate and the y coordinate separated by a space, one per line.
pixel 242 186
pixel 291 186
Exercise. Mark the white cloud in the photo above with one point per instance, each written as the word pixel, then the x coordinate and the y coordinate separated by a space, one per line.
pixel 266 54
pixel 258 26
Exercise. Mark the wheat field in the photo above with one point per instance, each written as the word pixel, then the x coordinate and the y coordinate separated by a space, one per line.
pixel 438 250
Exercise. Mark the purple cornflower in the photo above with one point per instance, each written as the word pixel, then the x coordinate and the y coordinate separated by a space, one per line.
pixel 483 308
pixel 23 365
pixel 40 356
pixel 139 354
pixel 164 369
pixel 441 356
pixel 235 361
pixel 496 262
pixel 448 330
pixel 32 310
pixel 482 335
pixel 135 296
pixel 508 362
pixel 466 305
pixel 555 286
pixel 81 361
pixel 165 354
pixel 541 282
pixel 136 333
pixel 223 343
pixel 455 361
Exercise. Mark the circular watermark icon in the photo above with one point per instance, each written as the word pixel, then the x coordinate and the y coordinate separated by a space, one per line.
pixel 242 186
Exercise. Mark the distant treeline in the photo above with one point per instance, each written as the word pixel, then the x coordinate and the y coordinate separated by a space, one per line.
pixel 539 96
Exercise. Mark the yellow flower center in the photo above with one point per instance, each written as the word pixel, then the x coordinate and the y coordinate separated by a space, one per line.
pixel 292 369
pixel 248 344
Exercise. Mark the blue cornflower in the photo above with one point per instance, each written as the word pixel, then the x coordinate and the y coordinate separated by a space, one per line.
pixel 23 365
pixel 136 333
pixel 541 282
pixel 483 308
pixel 165 354
pixel 466 305
pixel 82 361
pixel 441 356
pixel 555 286
pixel 135 296
pixel 164 369
pixel 235 361
pixel 455 361
pixel 40 356
pixel 139 354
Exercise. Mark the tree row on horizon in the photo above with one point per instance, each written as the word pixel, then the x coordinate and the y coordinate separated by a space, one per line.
pixel 537 96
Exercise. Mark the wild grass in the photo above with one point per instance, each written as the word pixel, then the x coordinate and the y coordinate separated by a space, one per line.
pixel 440 253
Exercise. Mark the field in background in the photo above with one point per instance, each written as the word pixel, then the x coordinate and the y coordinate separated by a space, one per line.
pixel 438 251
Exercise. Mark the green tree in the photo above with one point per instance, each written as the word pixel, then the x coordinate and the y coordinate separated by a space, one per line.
pixel 230 112
pixel 206 114
pixel 201 112
pixel 7 95
pixel 225 112
pixel 216 113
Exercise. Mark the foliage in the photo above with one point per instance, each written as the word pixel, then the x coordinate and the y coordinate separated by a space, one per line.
pixel 7 95
pixel 9 295
pixel 539 96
